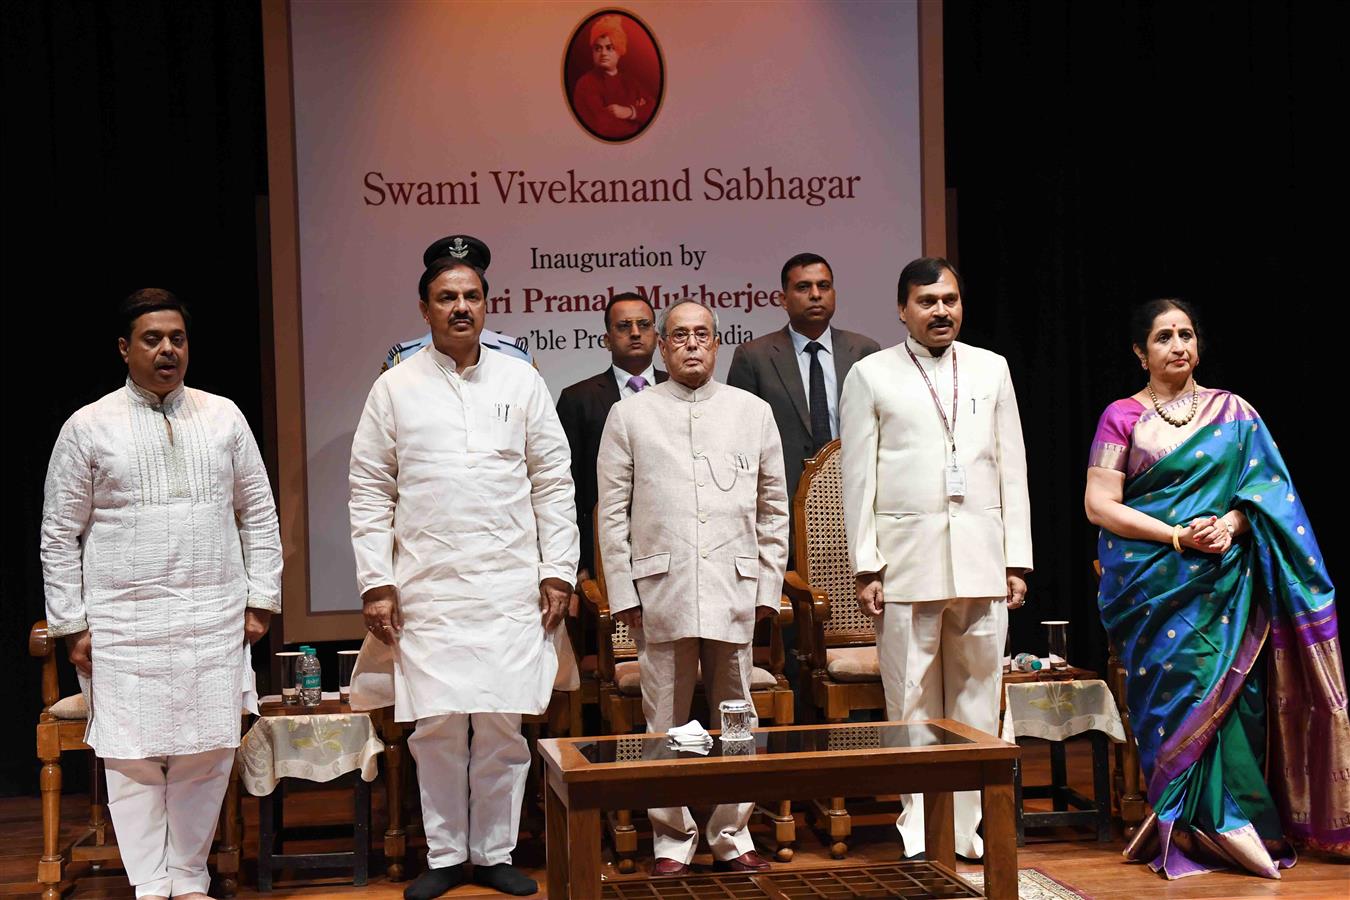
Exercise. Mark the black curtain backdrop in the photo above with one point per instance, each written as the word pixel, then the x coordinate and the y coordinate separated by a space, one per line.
pixel 1099 153
pixel 133 154
pixel 1108 152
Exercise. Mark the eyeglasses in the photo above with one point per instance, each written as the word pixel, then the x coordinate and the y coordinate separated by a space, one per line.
pixel 681 336
pixel 642 325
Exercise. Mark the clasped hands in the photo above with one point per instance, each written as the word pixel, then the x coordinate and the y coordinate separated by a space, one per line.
pixel 1208 534
pixel 384 617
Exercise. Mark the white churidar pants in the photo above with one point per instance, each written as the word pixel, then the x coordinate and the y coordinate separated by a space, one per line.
pixel 164 810
pixel 471 791
pixel 943 659
pixel 669 673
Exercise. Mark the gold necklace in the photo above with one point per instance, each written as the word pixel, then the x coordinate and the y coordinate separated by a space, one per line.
pixel 1177 423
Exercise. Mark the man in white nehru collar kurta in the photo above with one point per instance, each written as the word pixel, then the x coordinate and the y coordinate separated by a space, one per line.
pixel 464 528
pixel 162 563
pixel 938 520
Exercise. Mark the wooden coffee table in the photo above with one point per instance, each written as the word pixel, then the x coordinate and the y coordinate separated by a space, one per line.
pixel 586 775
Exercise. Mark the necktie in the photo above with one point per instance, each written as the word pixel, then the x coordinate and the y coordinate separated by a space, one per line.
pixel 636 384
pixel 819 403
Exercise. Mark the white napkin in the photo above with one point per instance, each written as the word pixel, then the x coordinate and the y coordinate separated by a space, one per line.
pixel 691 734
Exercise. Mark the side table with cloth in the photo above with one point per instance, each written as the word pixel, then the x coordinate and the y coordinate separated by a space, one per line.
pixel 317 744
pixel 1054 711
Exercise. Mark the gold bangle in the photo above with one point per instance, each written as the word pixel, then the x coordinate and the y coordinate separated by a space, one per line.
pixel 1176 538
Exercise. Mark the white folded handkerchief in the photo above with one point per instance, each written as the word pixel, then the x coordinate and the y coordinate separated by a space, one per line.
pixel 690 733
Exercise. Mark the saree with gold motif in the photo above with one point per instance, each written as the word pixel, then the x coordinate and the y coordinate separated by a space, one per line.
pixel 1236 689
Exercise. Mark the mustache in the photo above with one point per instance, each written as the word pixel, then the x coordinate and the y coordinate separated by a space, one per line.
pixel 940 323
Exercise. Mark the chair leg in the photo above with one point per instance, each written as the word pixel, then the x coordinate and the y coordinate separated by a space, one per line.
pixel 784 825
pixel 624 836
pixel 395 836
pixel 228 855
pixel 51 863
pixel 1017 801
pixel 98 801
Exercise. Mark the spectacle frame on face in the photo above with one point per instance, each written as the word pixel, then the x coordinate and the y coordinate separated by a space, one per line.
pixel 681 336
pixel 642 325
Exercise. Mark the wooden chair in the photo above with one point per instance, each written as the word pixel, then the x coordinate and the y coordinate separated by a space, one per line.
pixel 1128 779
pixel 619 693
pixel 60 729
pixel 840 670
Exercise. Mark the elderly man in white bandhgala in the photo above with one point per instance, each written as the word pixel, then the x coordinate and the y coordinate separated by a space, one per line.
pixel 162 563
pixel 464 527
pixel 693 538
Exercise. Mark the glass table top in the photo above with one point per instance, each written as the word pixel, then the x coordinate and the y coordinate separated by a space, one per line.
pixel 628 748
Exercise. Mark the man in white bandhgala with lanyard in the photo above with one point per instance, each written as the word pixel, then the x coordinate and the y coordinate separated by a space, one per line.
pixel 938 519
pixel 162 563
pixel 464 528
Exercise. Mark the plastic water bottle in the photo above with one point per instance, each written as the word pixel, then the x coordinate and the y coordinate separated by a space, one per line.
pixel 1026 662
pixel 310 676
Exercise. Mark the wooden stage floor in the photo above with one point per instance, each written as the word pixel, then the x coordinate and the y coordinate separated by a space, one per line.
pixel 1093 870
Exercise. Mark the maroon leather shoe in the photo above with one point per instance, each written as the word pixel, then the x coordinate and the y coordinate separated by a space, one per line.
pixel 665 866
pixel 747 862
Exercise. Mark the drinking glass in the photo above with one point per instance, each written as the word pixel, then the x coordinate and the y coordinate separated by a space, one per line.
pixel 1057 632
pixel 290 691
pixel 346 665
pixel 736 715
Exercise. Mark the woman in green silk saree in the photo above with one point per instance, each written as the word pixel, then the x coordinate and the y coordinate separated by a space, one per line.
pixel 1216 595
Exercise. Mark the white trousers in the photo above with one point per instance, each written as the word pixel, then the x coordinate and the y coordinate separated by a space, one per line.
pixel 164 810
pixel 471 791
pixel 943 659
pixel 670 672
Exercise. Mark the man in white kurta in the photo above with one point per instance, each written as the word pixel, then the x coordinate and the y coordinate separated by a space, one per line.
pixel 463 525
pixel 693 529
pixel 160 557
pixel 938 519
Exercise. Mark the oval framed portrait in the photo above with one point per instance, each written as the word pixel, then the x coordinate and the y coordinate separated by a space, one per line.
pixel 614 76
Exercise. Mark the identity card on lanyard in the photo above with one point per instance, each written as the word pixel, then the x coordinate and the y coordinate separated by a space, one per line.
pixel 956 475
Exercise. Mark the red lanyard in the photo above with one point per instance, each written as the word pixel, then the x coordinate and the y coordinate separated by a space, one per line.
pixel 951 433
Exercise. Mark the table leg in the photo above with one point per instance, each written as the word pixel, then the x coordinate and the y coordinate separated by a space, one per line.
pixel 1000 833
pixel 1101 785
pixel 583 851
pixel 939 829
pixel 555 842
pixel 1059 778
pixel 266 842
pixel 360 830
pixel 1017 802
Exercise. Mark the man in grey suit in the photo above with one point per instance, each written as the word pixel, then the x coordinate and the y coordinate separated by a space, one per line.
pixel 693 536
pixel 798 371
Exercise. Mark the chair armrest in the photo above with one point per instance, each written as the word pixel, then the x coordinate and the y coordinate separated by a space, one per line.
pixel 40 643
pixel 43 646
pixel 597 604
pixel 785 615
pixel 813 611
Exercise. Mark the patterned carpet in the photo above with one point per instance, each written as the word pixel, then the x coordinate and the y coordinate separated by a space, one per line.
pixel 1032 884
